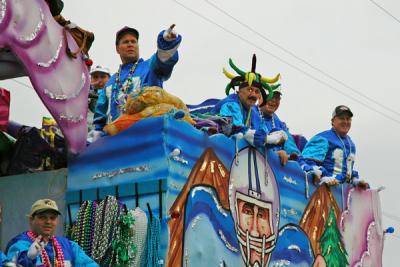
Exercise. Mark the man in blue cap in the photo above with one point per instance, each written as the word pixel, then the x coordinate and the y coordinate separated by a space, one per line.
pixel 134 73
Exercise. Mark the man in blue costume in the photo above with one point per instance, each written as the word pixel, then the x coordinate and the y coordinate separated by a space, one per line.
pixel 134 73
pixel 332 152
pixel 272 123
pixel 242 108
pixel 40 247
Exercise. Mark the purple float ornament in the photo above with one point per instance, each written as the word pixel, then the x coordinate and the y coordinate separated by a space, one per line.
pixel 32 44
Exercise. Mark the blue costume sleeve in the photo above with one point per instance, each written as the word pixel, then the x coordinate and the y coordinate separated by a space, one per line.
pixel 3 258
pixel 355 174
pixel 100 116
pixel 290 146
pixel 20 248
pixel 233 110
pixel 81 259
pixel 316 149
pixel 167 56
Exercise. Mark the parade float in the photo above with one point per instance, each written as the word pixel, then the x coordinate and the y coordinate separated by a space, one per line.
pixel 164 193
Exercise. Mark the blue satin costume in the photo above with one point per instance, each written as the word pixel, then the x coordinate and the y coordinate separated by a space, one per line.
pixel 335 154
pixel 273 123
pixel 151 72
pixel 73 253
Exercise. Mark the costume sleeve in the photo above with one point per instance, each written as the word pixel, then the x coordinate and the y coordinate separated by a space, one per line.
pixel 80 257
pixel 100 115
pixel 290 146
pixel 20 249
pixel 233 110
pixel 316 149
pixel 163 62
pixel 3 258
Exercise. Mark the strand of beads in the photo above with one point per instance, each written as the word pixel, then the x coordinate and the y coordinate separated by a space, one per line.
pixel 92 221
pixel 58 258
pixel 119 91
pixel 123 245
pixel 83 228
pixel 153 242
pixel 77 228
pixel 105 230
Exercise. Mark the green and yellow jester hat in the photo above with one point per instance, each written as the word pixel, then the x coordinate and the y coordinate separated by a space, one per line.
pixel 251 78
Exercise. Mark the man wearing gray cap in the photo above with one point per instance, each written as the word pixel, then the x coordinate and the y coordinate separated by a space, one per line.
pixel 40 247
pixel 330 154
pixel 135 73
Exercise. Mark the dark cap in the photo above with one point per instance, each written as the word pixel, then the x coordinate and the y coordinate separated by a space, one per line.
pixel 340 110
pixel 123 31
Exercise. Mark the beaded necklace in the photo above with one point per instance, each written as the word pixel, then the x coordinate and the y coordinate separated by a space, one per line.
pixel 247 122
pixel 120 91
pixel 153 242
pixel 347 155
pixel 59 255
pixel 107 214
pixel 83 231
pixel 123 244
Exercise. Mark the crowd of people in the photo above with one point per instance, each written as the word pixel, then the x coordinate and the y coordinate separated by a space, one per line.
pixel 251 108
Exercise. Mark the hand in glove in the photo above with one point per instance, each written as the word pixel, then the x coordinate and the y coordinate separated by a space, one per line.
pixel 276 138
pixel 361 183
pixel 255 137
pixel 36 248
pixel 169 34
pixel 94 135
pixel 329 180
pixel 283 157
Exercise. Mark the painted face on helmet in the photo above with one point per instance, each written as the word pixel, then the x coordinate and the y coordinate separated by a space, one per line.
pixel 254 203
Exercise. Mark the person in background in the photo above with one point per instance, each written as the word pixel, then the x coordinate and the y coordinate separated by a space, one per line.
pixel 40 247
pixel 272 123
pixel 99 76
pixel 331 154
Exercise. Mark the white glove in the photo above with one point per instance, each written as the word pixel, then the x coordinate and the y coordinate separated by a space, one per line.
pixel 36 248
pixel 317 171
pixel 249 136
pixel 276 138
pixel 360 183
pixel 329 180
pixel 239 136
pixel 94 135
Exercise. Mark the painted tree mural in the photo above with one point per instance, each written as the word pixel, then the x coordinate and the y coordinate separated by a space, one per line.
pixel 332 247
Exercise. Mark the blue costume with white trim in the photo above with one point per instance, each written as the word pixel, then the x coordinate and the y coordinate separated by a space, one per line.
pixel 151 72
pixel 243 120
pixel 273 123
pixel 230 106
pixel 3 258
pixel 333 153
pixel 73 253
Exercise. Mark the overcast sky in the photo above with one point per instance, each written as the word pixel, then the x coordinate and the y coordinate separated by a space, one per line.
pixel 328 53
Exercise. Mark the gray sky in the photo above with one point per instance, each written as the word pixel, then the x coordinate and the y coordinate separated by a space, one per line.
pixel 354 42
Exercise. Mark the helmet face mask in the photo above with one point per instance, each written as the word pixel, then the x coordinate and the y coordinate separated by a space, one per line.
pixel 254 203
pixel 254 229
